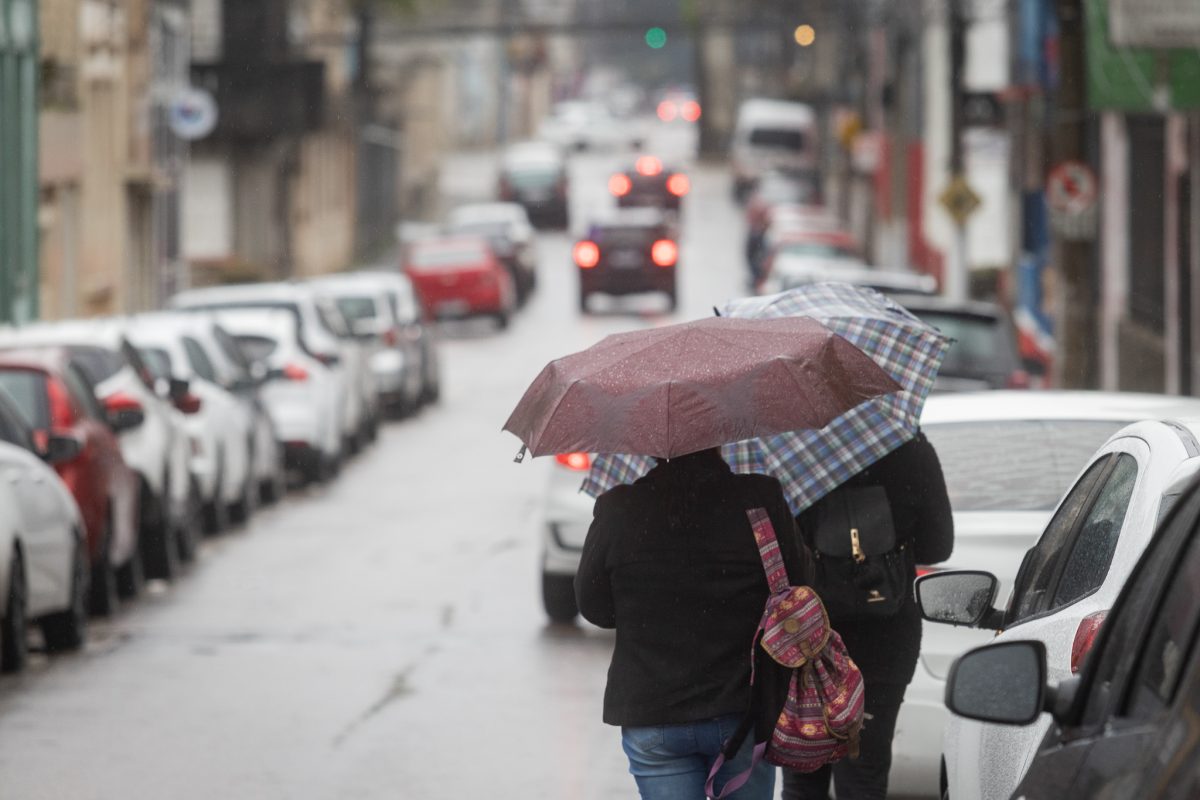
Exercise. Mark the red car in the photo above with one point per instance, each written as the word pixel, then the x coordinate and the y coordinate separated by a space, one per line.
pixel 55 397
pixel 461 277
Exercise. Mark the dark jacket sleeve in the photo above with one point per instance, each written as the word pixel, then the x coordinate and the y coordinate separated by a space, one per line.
pixel 593 588
pixel 934 540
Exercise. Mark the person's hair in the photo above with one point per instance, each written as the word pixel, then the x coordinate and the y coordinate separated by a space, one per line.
pixel 684 477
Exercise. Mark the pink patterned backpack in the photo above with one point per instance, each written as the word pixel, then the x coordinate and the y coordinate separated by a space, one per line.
pixel 823 713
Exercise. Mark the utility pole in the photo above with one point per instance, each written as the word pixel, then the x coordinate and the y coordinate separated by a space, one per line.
pixel 955 283
pixel 1077 364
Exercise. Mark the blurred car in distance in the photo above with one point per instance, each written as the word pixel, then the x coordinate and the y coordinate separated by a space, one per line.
pixel 1067 583
pixel 1118 728
pixel 508 230
pixel 587 125
pixel 629 251
pixel 382 306
pixel 649 183
pixel 796 250
pixel 55 399
pixel 984 352
pixel 1008 457
pixel 788 222
pixel 789 274
pixel 772 135
pixel 678 105
pixel 43 551
pixel 460 276
pixel 777 189
pixel 534 174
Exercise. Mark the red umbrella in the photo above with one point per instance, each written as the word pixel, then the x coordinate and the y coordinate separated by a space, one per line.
pixel 681 388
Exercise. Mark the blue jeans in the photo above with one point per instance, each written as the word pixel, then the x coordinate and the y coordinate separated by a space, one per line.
pixel 671 762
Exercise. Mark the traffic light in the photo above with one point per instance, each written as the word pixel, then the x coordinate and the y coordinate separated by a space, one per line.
pixel 656 38
pixel 804 35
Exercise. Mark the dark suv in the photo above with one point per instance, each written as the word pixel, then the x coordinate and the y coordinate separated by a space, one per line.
pixel 649 183
pixel 632 251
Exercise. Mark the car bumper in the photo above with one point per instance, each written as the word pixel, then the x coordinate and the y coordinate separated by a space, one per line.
pixel 614 281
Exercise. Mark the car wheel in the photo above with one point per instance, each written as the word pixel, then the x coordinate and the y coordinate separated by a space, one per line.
pixel 216 514
pixel 14 649
pixel 103 592
pixel 131 578
pixel 502 319
pixel 583 302
pixel 275 487
pixel 191 528
pixel 242 509
pixel 160 541
pixel 558 597
pixel 67 629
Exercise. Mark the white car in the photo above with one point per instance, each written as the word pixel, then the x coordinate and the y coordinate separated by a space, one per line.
pixel 1066 582
pixel 789 273
pixel 382 308
pixel 43 557
pixel 323 334
pixel 586 125
pixel 158 449
pixel 566 517
pixel 221 427
pixel 302 392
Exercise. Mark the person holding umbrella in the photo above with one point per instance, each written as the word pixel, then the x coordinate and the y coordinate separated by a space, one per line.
pixel 670 562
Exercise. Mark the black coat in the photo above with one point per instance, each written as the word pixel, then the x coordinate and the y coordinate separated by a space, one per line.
pixel 684 593
pixel 886 650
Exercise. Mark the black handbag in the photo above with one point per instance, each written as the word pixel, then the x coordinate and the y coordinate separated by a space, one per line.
pixel 861 570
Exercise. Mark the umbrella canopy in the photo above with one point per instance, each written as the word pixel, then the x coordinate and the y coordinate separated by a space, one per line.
pixel 681 388
pixel 811 463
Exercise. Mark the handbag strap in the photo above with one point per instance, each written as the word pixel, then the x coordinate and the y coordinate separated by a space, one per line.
pixel 737 781
pixel 768 549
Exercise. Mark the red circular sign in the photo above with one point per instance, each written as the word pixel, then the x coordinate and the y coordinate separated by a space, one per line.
pixel 1071 188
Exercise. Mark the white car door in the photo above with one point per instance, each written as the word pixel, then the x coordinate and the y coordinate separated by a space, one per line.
pixel 1059 584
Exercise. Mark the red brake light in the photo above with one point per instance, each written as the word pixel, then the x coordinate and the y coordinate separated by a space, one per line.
pixel 116 403
pixel 666 111
pixel 1085 637
pixel 648 166
pixel 587 254
pixel 575 461
pixel 61 415
pixel 189 404
pixel 664 253
pixel 924 570
pixel 620 185
pixel 295 372
pixel 678 184
pixel 690 111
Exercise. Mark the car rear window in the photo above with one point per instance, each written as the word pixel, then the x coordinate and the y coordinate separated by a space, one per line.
pixel 624 236
pixel 982 344
pixel 816 250
pixel 257 348
pixel 98 363
pixel 780 138
pixel 28 391
pixel 443 257
pixel 1014 465
pixel 533 177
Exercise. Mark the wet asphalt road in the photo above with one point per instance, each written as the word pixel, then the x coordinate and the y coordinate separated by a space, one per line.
pixel 381 637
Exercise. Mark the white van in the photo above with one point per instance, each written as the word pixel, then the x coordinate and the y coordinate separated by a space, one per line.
pixel 773 135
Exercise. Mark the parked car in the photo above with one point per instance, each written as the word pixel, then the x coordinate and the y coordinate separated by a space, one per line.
pixel 1066 585
pixel 630 251
pixel 649 183
pixel 508 230
pixel 461 277
pixel 789 223
pixel 534 174
pixel 303 392
pixel 55 399
pixel 984 354
pixel 796 251
pixel 775 189
pixel 792 274
pixel 156 448
pixel 43 550
pixel 323 333
pixel 222 426
pixel 772 135
pixel 382 307
pixel 1126 725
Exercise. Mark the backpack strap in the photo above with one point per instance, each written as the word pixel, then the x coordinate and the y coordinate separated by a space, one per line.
pixel 768 549
pixel 737 781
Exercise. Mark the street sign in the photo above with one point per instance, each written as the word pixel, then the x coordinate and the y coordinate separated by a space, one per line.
pixel 192 114
pixel 1156 24
pixel 959 199
pixel 1072 191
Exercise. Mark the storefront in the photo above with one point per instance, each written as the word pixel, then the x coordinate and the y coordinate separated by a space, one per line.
pixel 18 160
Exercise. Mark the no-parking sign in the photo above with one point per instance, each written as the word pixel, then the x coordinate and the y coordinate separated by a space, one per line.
pixel 1072 192
pixel 192 114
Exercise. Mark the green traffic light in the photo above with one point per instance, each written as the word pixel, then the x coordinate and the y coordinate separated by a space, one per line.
pixel 656 38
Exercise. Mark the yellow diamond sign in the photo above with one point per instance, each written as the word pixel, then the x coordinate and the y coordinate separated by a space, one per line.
pixel 959 199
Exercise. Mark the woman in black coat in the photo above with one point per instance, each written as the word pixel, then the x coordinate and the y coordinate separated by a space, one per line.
pixel 671 563
pixel 886 650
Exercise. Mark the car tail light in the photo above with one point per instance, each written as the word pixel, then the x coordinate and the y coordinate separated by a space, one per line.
pixel 620 185
pixel 666 111
pixel 189 404
pixel 120 401
pixel 295 372
pixel 678 184
pixel 390 337
pixel 1019 379
pixel 579 462
pixel 648 166
pixel 664 253
pixel 587 254
pixel 690 111
pixel 1085 637
pixel 923 570
pixel 61 415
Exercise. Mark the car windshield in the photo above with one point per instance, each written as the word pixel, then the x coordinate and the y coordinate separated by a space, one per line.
pixel 27 389
pixel 777 138
pixel 99 364
pixel 533 176
pixel 158 360
pixel 355 308
pixel 816 250
pixel 256 347
pixel 1014 465
pixel 982 344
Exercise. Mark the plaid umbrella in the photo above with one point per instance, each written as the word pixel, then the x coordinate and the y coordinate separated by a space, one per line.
pixel 811 463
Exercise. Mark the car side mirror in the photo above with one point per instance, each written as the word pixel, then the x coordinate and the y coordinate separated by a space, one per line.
pixel 1002 683
pixel 61 448
pixel 124 412
pixel 959 597
pixel 178 388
